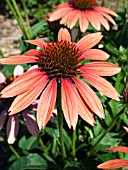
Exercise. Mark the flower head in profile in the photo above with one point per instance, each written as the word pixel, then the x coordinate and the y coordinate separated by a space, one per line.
pixel 60 65
pixel 13 120
pixel 85 12
pixel 116 163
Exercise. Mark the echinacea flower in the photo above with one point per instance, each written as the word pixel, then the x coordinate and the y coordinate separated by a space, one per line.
pixel 116 163
pixel 60 65
pixel 13 120
pixel 85 12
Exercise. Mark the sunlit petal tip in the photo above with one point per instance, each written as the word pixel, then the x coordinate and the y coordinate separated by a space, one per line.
pixel 18 70
pixel 2 78
pixel 64 35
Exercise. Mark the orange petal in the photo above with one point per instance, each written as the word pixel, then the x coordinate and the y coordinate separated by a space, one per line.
pixel 112 164
pixel 101 68
pixel 119 148
pixel 25 99
pixel 37 43
pixel 65 18
pixel 89 97
pixel 92 18
pixel 46 104
pixel 89 41
pixel 83 22
pixel 102 85
pixel 69 102
pixel 21 84
pixel 106 10
pixel 73 18
pixel 108 17
pixel 32 52
pixel 94 54
pixel 19 59
pixel 64 35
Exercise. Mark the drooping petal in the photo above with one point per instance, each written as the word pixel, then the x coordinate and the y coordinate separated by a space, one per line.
pixel 108 17
pixel 2 78
pixel 64 35
pixel 19 59
pixel 25 99
pixel 65 18
pixel 59 13
pixel 18 70
pixel 30 122
pixel 94 54
pixel 3 116
pixel 89 41
pixel 22 83
pixel 101 68
pixel 119 149
pixel 112 164
pixel 46 104
pixel 69 103
pixel 92 18
pixel 73 19
pixel 89 97
pixel 12 128
pixel 102 85
pixel 102 20
pixel 83 22
pixel 37 43
pixel 106 10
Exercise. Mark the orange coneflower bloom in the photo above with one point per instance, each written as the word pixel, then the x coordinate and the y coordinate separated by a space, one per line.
pixel 13 120
pixel 59 64
pixel 84 11
pixel 116 163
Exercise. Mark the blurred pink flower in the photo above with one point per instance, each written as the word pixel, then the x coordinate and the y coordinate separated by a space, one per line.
pixel 84 11
pixel 13 120
pixel 116 163
pixel 59 65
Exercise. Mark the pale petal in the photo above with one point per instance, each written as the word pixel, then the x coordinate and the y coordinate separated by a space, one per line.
pixel 83 22
pixel 101 68
pixel 12 128
pixel 69 103
pixel 102 85
pixel 89 97
pixel 30 122
pixel 89 41
pixel 92 18
pixel 19 59
pixel 22 83
pixel 106 10
pixel 37 43
pixel 2 78
pixel 119 149
pixel 94 54
pixel 73 18
pixel 3 116
pixel 112 164
pixel 64 35
pixel 18 70
pixel 46 104
pixel 25 99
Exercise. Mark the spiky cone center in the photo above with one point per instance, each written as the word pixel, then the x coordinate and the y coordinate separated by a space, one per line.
pixel 60 59
pixel 83 4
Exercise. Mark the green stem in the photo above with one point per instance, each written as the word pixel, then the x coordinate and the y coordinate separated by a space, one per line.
pixel 1 53
pixel 117 5
pixel 60 120
pixel 43 146
pixel 14 151
pixel 74 138
pixel 113 122
pixel 109 3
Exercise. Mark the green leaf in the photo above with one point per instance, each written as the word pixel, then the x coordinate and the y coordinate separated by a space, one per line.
pixel 32 161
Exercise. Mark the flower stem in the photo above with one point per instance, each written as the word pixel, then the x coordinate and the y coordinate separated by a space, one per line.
pixel 74 143
pixel 43 146
pixel 14 151
pixel 60 120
